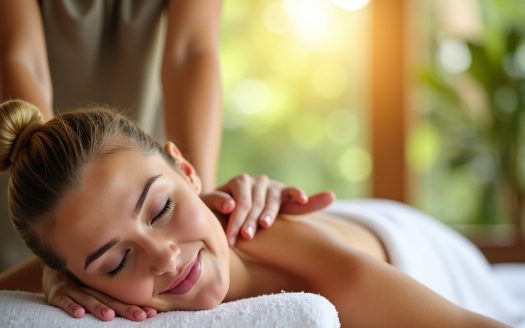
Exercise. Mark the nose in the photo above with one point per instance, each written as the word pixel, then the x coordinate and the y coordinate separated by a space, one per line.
pixel 164 256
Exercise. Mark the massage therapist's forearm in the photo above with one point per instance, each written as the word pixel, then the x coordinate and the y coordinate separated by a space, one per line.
pixel 191 84
pixel 24 73
pixel 26 276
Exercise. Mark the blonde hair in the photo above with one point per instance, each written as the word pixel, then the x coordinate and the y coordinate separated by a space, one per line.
pixel 45 160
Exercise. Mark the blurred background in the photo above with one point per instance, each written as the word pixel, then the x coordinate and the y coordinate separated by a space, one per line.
pixel 421 101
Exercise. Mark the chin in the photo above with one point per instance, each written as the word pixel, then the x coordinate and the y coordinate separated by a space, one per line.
pixel 212 297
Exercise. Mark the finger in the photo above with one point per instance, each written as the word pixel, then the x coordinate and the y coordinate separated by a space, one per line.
pixel 259 191
pixel 67 304
pixel 92 305
pixel 273 203
pixel 294 194
pixel 151 312
pixel 131 312
pixel 219 201
pixel 241 188
pixel 315 202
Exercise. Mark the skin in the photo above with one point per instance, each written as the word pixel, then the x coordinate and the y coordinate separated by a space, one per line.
pixel 323 254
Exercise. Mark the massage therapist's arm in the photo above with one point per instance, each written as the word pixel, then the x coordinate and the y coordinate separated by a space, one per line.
pixel 24 72
pixel 191 84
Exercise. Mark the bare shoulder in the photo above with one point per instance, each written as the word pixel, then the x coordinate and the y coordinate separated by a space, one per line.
pixel 309 245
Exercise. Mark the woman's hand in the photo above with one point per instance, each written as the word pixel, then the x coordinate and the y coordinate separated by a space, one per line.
pixel 252 201
pixel 76 301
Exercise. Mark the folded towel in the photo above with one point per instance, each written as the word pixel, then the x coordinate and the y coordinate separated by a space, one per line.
pixel 21 310
pixel 436 256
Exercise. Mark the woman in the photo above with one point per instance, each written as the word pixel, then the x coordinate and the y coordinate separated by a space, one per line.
pixel 156 60
pixel 119 214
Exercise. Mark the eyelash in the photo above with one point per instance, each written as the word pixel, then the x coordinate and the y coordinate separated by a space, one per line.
pixel 121 266
pixel 167 207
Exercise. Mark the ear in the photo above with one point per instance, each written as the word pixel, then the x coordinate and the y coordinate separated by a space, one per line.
pixel 183 166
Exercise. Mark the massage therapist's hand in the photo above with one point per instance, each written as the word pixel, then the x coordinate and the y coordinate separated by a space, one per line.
pixel 76 301
pixel 252 201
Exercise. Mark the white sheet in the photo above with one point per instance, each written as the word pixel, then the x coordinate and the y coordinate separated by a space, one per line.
pixel 436 256
pixel 300 310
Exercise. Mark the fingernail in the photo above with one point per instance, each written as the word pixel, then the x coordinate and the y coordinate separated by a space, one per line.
pixel 78 311
pixel 106 312
pixel 140 315
pixel 231 241
pixel 265 220
pixel 152 313
pixel 226 205
pixel 249 231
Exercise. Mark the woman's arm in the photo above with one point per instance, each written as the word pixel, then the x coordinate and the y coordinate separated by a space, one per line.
pixel 191 83
pixel 24 72
pixel 368 292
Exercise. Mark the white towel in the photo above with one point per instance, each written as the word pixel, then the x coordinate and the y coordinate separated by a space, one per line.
pixel 436 256
pixel 300 310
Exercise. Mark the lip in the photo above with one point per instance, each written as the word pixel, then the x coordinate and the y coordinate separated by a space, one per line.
pixel 188 277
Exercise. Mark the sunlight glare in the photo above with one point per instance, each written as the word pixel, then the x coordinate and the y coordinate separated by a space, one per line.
pixel 310 18
pixel 351 4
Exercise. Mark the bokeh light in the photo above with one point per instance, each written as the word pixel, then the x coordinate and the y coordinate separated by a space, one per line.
pixel 251 97
pixel 423 147
pixel 310 18
pixel 454 56
pixel 519 59
pixel 351 4
pixel 355 164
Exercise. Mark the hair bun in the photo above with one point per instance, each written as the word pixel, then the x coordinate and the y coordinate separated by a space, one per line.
pixel 19 120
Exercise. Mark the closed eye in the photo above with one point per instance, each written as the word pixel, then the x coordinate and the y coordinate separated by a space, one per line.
pixel 121 265
pixel 164 211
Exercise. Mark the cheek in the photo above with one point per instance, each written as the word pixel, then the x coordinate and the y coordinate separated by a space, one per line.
pixel 129 290
pixel 196 220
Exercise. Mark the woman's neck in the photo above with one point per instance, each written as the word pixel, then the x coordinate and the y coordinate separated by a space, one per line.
pixel 250 277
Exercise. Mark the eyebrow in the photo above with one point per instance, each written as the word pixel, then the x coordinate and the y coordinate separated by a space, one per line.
pixel 98 253
pixel 144 193
pixel 138 206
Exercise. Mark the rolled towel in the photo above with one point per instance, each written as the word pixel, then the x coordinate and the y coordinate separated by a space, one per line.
pixel 300 310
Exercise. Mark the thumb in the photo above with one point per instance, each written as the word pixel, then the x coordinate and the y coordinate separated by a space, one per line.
pixel 218 201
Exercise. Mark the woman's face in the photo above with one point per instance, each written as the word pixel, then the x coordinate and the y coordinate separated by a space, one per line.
pixel 135 229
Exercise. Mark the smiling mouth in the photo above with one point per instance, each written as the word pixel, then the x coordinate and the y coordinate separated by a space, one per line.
pixel 189 276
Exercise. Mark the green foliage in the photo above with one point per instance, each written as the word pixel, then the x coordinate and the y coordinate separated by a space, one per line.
pixel 486 138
